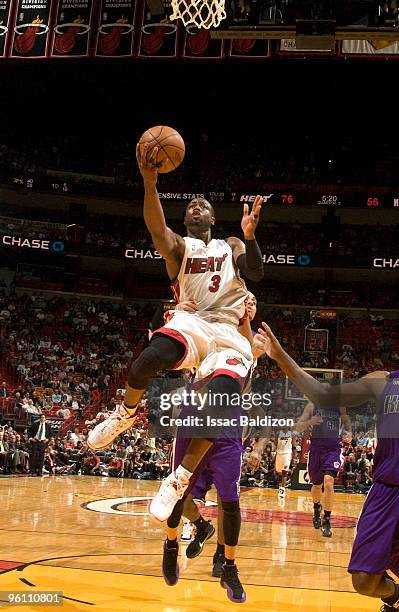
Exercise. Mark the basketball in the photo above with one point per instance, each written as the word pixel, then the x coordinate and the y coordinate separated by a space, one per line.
pixel 171 147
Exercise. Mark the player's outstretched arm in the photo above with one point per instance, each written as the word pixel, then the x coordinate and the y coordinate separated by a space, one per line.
pixel 368 387
pixel 169 244
pixel 248 256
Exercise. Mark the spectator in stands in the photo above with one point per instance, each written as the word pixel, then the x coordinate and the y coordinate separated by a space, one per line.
pixel 350 471
pixel 3 390
pixel 63 412
pixel 91 464
pixel 3 451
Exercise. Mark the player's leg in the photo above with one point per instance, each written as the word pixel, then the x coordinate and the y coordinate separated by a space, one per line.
pixel 218 557
pixel 330 463
pixel 204 529
pixel 170 566
pixel 223 389
pixel 316 478
pixel 316 492
pixel 376 547
pixel 163 352
pixel 328 501
pixel 226 471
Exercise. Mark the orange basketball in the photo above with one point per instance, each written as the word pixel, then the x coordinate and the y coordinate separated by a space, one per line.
pixel 171 146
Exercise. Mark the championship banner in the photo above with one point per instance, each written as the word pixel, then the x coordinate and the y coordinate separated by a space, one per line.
pixel 115 30
pixel 31 34
pixel 251 48
pixel 288 47
pixel 370 47
pixel 157 38
pixel 5 15
pixel 198 44
pixel 72 28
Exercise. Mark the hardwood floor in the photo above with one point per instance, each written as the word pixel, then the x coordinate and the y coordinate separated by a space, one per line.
pixel 92 539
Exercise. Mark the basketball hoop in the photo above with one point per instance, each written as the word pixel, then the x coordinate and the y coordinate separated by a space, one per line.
pixel 199 13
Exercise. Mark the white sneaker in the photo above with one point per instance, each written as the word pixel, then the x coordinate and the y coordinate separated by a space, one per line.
pixel 171 490
pixel 187 531
pixel 105 432
pixel 281 492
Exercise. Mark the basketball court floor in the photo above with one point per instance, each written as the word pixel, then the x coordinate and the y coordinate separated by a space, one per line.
pixel 92 539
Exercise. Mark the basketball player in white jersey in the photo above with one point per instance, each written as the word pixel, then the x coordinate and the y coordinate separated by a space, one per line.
pixel 208 272
pixel 283 458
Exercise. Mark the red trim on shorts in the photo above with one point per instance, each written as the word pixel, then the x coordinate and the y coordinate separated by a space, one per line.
pixel 220 372
pixel 168 315
pixel 176 335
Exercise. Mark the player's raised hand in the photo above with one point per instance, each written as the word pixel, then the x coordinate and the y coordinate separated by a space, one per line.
pixel 146 160
pixel 250 220
pixel 265 337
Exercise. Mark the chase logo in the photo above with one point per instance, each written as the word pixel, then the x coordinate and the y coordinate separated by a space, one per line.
pixel 303 260
pixel 58 246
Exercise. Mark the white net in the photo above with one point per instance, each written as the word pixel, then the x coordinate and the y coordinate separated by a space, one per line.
pixel 199 13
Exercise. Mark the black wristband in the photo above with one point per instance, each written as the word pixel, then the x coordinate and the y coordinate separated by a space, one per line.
pixel 250 263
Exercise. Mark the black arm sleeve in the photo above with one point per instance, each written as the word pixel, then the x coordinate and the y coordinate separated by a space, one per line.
pixel 250 263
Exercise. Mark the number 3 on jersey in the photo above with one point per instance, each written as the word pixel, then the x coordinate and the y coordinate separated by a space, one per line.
pixel 214 286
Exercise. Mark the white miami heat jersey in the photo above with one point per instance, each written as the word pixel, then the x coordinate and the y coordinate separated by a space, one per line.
pixel 284 442
pixel 208 277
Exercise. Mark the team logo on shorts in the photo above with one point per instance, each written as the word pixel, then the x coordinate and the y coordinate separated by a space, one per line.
pixel 337 465
pixel 234 361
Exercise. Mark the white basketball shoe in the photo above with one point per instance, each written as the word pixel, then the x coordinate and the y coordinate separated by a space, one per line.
pixel 281 492
pixel 105 432
pixel 171 490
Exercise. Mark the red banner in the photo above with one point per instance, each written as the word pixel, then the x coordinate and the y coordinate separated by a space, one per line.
pixel 116 28
pixel 72 28
pixel 249 47
pixel 5 16
pixel 326 314
pixel 198 44
pixel 157 38
pixel 31 33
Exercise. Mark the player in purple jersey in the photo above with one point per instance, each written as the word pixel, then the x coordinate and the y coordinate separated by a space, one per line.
pixel 325 458
pixel 376 546
pixel 222 467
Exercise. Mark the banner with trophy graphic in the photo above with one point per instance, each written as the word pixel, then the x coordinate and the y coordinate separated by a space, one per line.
pixel 72 28
pixel 115 29
pixel 31 33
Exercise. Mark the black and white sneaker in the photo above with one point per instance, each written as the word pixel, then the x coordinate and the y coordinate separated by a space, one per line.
pixel 170 567
pixel 218 562
pixel 229 580
pixel 317 518
pixel 195 547
pixel 326 528
pixel 388 608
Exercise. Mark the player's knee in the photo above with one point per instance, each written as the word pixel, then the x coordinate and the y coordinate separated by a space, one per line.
pixel 163 353
pixel 317 487
pixel 174 519
pixel 365 584
pixel 328 483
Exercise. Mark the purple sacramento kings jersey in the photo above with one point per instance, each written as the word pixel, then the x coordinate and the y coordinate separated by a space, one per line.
pixel 327 434
pixel 386 458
